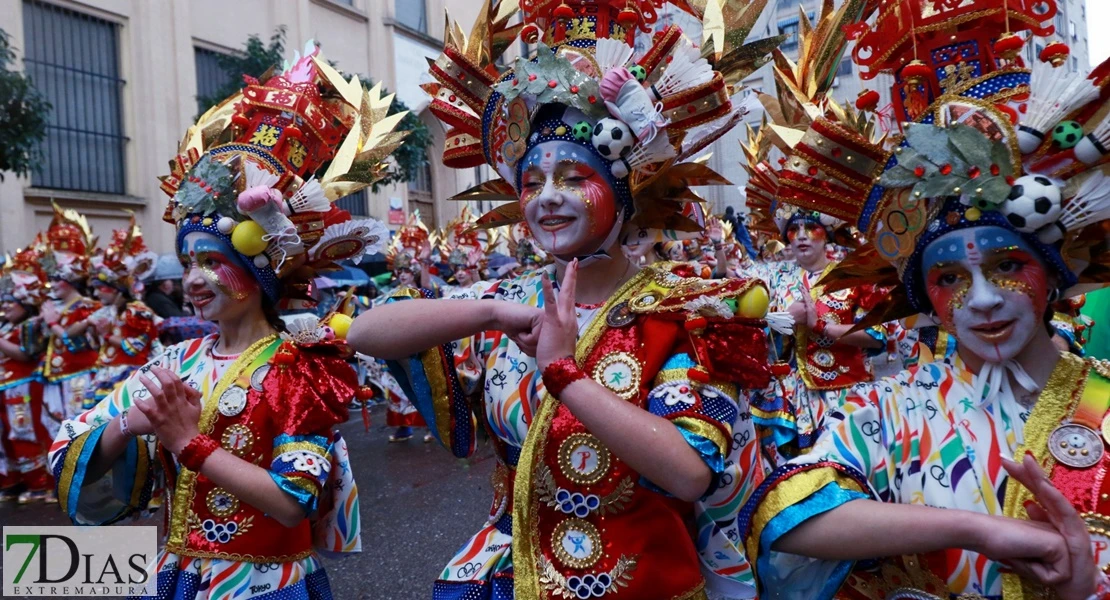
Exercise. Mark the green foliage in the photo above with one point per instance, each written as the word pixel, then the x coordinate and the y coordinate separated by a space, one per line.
pixel 23 117
pixel 258 56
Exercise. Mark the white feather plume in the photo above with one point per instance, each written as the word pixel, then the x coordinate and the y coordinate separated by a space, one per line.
pixel 1054 93
pixel 780 321
pixel 310 198
pixel 258 176
pixel 611 53
pixel 687 69
pixel 657 150
pixel 1091 203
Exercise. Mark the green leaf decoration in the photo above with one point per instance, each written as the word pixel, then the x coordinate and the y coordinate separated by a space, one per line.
pixel 995 189
pixel 938 187
pixel 533 79
pixel 1000 155
pixel 971 145
pixel 209 188
pixel 899 176
pixel 930 140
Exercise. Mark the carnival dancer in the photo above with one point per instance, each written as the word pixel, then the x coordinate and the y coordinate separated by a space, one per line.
pixel 821 355
pixel 409 258
pixel 72 351
pixel 981 215
pixel 126 327
pixel 234 432
pixel 614 409
pixel 23 436
pixel 523 247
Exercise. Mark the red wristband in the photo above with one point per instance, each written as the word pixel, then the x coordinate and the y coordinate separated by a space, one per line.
pixel 561 373
pixel 820 327
pixel 196 452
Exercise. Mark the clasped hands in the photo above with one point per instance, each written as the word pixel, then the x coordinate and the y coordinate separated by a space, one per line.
pixel 171 411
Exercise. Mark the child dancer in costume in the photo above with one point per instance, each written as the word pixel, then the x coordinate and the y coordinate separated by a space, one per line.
pixel 23 433
pixel 623 440
pixel 73 347
pixel 234 432
pixel 982 216
pixel 125 326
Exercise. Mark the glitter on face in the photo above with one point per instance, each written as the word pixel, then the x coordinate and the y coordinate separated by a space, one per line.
pixel 220 270
pixel 989 288
pixel 566 199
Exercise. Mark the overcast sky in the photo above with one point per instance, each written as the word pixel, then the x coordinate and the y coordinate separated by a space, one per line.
pixel 1098 14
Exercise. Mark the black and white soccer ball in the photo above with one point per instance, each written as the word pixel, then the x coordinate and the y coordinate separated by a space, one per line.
pixel 1034 202
pixel 612 138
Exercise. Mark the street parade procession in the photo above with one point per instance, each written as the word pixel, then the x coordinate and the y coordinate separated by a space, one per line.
pixel 877 381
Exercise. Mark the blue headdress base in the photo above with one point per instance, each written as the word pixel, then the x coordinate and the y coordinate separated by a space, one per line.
pixel 266 277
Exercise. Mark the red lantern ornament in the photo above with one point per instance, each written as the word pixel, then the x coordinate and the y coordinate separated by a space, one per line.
pixel 628 17
pixel 563 12
pixel 1055 53
pixel 294 132
pixel 530 33
pixel 364 393
pixel 1009 46
pixel 240 121
pixel 915 75
pixel 867 100
pixel 696 323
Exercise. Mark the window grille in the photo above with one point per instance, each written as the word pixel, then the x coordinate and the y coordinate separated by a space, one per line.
pixel 73 59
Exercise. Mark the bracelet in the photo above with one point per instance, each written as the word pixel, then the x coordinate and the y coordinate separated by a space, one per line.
pixel 197 451
pixel 126 431
pixel 820 327
pixel 561 373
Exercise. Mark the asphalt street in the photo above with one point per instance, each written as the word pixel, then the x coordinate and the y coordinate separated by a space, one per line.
pixel 418 505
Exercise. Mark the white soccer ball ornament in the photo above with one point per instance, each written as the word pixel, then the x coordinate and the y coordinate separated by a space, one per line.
pixel 1033 203
pixel 612 138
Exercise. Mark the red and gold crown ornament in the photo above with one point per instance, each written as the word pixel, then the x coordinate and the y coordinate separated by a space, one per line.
pixel 262 169
pixel 125 261
pixel 645 114
pixel 69 244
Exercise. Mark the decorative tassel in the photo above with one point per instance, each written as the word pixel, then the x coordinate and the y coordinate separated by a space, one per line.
pixel 658 150
pixel 687 69
pixel 611 54
pixel 1054 93
pixel 915 76
pixel 1091 204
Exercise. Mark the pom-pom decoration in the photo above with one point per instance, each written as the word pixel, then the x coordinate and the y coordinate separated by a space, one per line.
pixel 248 238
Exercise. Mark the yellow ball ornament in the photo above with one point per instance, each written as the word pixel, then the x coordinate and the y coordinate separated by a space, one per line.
pixel 340 324
pixel 247 238
pixel 753 304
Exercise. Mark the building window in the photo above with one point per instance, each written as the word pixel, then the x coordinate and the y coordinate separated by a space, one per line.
pixel 845 68
pixel 358 204
pixel 211 77
pixel 1072 31
pixel 789 27
pixel 73 59
pixel 412 14
pixel 420 195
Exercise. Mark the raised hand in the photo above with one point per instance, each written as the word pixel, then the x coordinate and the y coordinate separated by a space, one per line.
pixel 173 408
pixel 560 324
pixel 1052 508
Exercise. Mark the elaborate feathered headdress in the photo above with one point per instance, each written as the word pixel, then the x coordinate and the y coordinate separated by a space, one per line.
pixel 465 246
pixel 644 117
pixel 70 243
pixel 126 261
pixel 987 141
pixel 22 278
pixel 407 243
pixel 249 172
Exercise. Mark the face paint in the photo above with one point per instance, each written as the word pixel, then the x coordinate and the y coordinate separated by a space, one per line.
pixel 988 287
pixel 406 277
pixel 106 294
pixel 566 198
pixel 806 242
pixel 214 277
